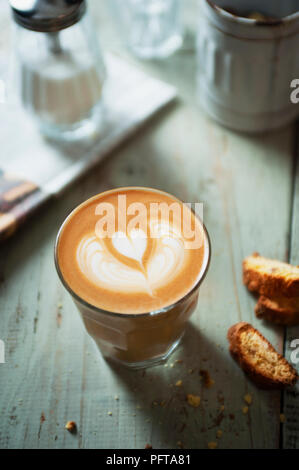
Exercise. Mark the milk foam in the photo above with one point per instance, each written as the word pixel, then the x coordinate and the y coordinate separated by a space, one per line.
pixel 102 267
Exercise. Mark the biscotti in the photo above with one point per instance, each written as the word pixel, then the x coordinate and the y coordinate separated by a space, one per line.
pixel 258 358
pixel 279 310
pixel 270 277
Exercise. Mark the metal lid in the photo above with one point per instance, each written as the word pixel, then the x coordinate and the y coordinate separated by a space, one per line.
pixel 47 15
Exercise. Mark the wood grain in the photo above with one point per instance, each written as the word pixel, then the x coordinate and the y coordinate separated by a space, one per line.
pixel 291 397
pixel 53 372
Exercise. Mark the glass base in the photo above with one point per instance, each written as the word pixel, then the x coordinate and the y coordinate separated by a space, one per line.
pixel 87 128
pixel 149 362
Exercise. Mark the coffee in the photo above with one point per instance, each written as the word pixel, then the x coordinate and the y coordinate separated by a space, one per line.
pixel 138 254
pixel 129 271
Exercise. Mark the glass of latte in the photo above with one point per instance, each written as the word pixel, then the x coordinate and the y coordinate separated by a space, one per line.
pixel 133 260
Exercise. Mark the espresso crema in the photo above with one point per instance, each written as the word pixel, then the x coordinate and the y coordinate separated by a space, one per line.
pixel 132 250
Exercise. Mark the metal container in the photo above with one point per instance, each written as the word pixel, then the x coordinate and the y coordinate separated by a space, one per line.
pixel 247 60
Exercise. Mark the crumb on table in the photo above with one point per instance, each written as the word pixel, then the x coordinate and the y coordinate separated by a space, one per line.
pixel 282 418
pixel 207 380
pixel 212 445
pixel 193 400
pixel 248 398
pixel 71 426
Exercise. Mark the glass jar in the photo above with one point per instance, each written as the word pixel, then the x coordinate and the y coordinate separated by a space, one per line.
pixel 152 29
pixel 60 70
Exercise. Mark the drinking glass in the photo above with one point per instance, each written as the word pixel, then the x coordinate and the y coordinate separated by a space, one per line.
pixel 152 29
pixel 143 339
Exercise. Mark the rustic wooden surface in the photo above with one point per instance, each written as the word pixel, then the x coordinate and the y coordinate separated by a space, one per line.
pixel 291 397
pixel 53 372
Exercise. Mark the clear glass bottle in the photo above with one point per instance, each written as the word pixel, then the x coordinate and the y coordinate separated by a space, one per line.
pixel 152 29
pixel 60 70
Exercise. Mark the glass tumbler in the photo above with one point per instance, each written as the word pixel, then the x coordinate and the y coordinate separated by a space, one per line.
pixel 152 29
pixel 134 340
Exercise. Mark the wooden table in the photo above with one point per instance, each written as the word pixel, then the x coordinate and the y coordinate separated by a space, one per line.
pixel 53 372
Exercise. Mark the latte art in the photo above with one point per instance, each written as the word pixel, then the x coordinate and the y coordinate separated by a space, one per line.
pixel 101 268
pixel 112 271
pixel 132 267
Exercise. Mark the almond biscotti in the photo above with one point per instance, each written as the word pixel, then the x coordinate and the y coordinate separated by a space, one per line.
pixel 258 358
pixel 279 309
pixel 270 277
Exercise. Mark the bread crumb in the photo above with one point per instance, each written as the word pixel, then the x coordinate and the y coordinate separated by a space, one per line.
pixel 248 398
pixel 212 445
pixel 245 410
pixel 71 426
pixel 193 400
pixel 148 446
pixel 179 383
pixel 219 433
pixel 282 418
pixel 221 408
pixel 116 397
pixel 190 371
pixel 207 380
pixel 180 445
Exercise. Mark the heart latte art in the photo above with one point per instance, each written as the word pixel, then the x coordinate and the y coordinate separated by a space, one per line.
pixel 130 271
pixel 113 269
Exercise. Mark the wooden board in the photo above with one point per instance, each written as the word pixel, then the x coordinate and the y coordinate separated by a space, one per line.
pixel 53 372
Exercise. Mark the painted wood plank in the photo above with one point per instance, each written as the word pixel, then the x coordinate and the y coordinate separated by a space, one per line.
pixel 59 372
pixel 53 371
pixel 291 397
